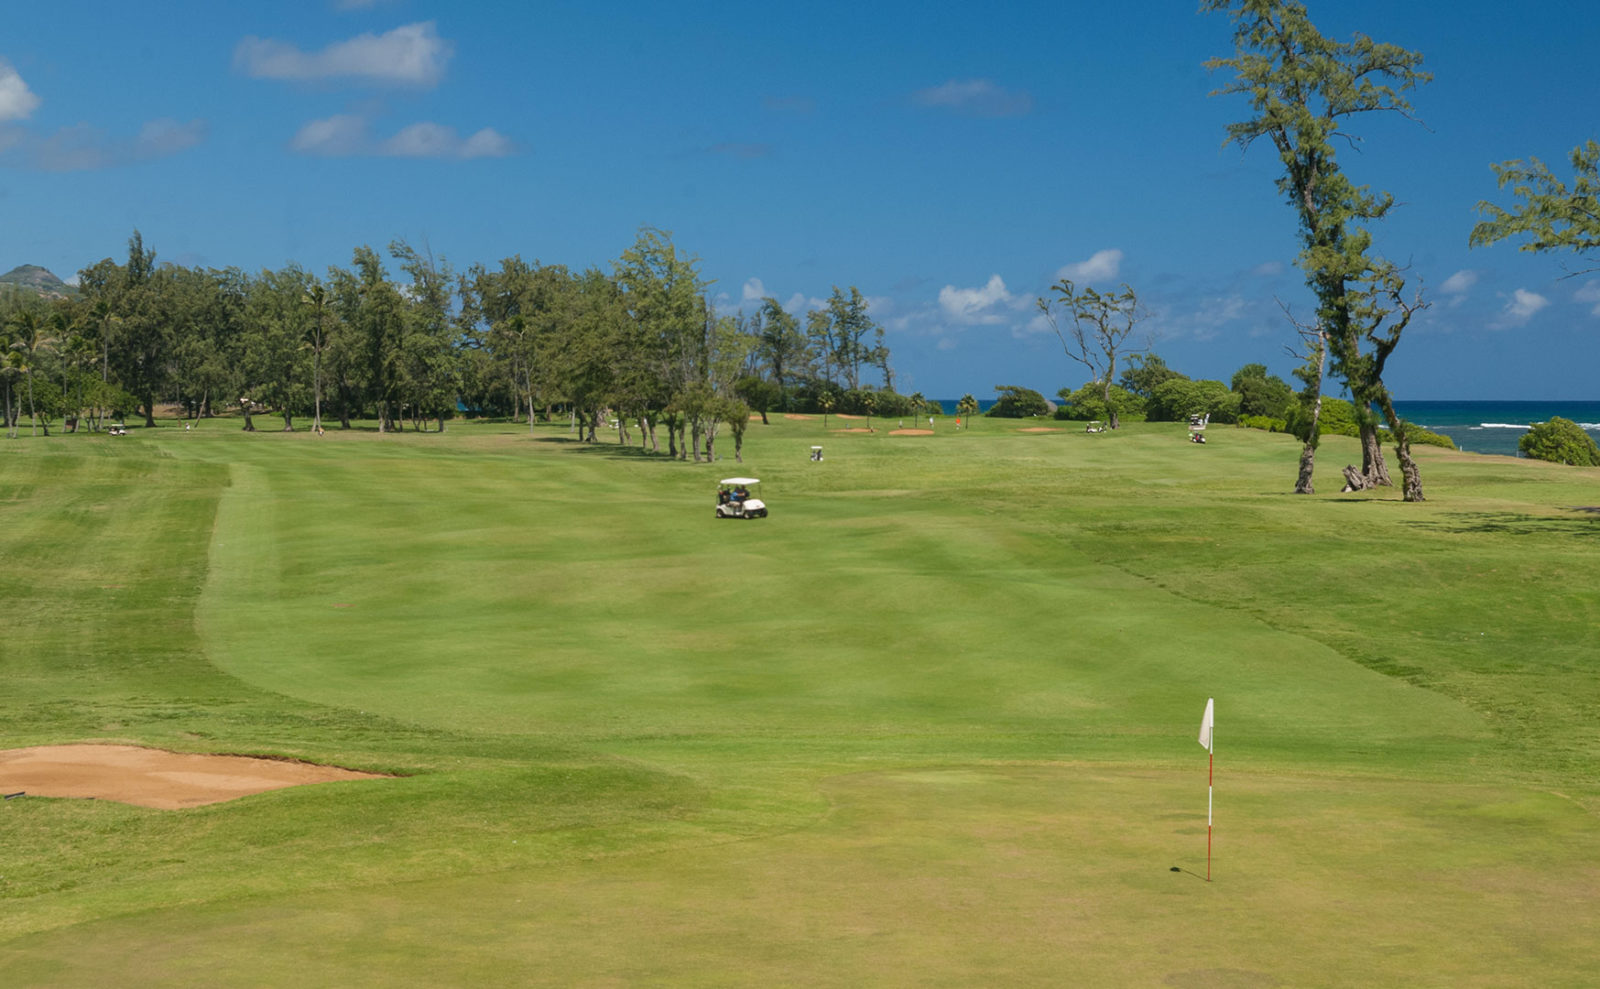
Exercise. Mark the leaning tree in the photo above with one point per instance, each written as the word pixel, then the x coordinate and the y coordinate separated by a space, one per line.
pixel 1306 91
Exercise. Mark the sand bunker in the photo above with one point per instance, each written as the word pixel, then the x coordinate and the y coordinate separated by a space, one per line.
pixel 153 778
pixel 1041 429
pixel 796 415
pixel 910 432
pixel 854 429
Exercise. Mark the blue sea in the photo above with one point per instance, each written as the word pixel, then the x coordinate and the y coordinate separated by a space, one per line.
pixel 1479 427
pixel 1495 427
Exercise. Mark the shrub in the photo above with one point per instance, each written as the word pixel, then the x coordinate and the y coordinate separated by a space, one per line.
pixel 1087 403
pixel 1176 400
pixel 1560 441
pixel 1261 394
pixel 1016 402
pixel 1268 423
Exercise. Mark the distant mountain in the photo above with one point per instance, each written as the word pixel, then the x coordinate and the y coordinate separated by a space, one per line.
pixel 39 281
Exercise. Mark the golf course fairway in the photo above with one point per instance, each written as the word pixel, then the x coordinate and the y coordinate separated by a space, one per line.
pixel 933 722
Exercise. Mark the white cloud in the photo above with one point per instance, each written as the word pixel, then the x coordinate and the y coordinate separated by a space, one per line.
pixel 17 101
pixel 976 98
pixel 82 148
pixel 430 140
pixel 1101 265
pixel 345 5
pixel 166 136
pixel 1459 282
pixel 977 306
pixel 1267 269
pixel 1590 292
pixel 412 55
pixel 1521 307
pixel 754 290
pixel 338 135
pixel 346 135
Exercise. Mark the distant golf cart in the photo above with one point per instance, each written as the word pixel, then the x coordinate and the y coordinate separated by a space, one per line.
pixel 734 500
pixel 1197 427
pixel 1095 426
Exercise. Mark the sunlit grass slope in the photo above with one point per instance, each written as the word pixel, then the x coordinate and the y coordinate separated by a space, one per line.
pixel 931 722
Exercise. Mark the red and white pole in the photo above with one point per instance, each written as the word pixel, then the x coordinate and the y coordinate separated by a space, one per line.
pixel 1206 732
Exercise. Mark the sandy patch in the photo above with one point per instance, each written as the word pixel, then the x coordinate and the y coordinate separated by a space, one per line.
pixel 1041 429
pixel 910 432
pixel 797 416
pixel 854 429
pixel 841 415
pixel 151 777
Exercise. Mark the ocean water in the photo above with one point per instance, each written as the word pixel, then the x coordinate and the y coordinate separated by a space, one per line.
pixel 1495 427
pixel 949 405
pixel 1479 427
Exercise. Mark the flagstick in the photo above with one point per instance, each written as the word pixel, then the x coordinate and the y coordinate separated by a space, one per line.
pixel 1206 739
pixel 1211 763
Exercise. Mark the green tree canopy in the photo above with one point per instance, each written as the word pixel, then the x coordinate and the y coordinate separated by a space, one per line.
pixel 1549 214
pixel 1177 400
pixel 1260 393
pixel 1144 372
pixel 1017 402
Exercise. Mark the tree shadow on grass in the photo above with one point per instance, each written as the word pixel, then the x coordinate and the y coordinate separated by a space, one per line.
pixel 609 450
pixel 1515 523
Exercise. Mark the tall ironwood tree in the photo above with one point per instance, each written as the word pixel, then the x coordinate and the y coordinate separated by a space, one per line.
pixel 1306 89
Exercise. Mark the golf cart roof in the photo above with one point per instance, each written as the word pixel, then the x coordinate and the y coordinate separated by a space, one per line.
pixel 739 480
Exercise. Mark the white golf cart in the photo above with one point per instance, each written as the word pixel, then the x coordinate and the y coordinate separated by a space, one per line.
pixel 734 500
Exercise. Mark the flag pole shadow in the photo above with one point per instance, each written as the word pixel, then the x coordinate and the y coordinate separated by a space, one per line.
pixel 1189 873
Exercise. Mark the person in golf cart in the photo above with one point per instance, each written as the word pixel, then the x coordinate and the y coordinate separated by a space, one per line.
pixel 734 500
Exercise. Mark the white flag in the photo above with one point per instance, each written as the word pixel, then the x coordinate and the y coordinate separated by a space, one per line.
pixel 1205 727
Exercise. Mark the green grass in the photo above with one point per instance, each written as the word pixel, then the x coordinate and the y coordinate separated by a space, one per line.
pixel 932 722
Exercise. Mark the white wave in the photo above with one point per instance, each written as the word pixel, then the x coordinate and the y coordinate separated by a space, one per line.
pixel 1503 425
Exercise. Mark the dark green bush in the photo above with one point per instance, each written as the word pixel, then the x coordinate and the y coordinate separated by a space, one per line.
pixel 1176 400
pixel 1088 403
pixel 1016 402
pixel 1560 441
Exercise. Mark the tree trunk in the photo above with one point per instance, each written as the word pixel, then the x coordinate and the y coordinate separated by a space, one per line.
pixel 150 411
pixel 1372 464
pixel 1355 480
pixel 1410 474
pixel 1308 458
pixel 316 380
pixel 249 426
pixel 288 421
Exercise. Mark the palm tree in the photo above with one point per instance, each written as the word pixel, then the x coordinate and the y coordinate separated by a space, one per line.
pixel 316 338
pixel 105 317
pixel 32 343
pixel 967 408
pixel 10 370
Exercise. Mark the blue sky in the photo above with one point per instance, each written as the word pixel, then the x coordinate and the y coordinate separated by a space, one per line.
pixel 950 161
